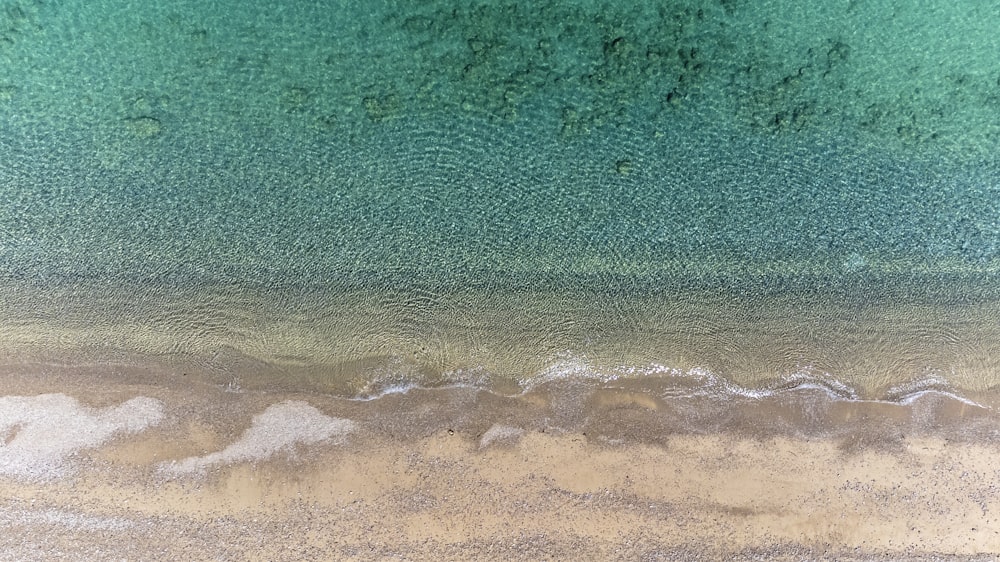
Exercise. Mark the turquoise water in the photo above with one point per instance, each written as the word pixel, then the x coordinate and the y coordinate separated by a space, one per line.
pixel 405 153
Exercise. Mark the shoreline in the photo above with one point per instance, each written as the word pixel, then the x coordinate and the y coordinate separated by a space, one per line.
pixel 459 473
pixel 362 342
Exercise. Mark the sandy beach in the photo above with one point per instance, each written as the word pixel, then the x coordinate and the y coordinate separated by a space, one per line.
pixel 197 470
pixel 499 280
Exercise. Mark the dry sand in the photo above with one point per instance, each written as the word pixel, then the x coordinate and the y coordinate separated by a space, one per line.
pixel 563 472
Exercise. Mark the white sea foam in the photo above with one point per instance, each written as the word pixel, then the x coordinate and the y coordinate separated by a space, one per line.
pixel 569 367
pixel 391 389
pixel 702 382
pixel 697 381
pixel 38 434
pixel 809 379
pixel 930 385
pixel 710 384
pixel 278 428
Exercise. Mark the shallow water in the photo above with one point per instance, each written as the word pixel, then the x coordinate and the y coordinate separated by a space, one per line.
pixel 358 197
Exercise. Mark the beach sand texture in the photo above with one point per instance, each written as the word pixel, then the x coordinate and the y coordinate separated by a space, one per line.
pixel 200 471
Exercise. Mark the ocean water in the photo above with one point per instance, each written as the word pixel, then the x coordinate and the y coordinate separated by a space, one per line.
pixel 360 197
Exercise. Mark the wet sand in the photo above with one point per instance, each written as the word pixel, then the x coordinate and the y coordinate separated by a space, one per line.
pixel 566 471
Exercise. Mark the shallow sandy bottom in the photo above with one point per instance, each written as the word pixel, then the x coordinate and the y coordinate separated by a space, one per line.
pixel 564 473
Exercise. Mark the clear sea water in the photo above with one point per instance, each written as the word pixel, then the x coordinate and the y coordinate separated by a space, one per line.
pixel 364 195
